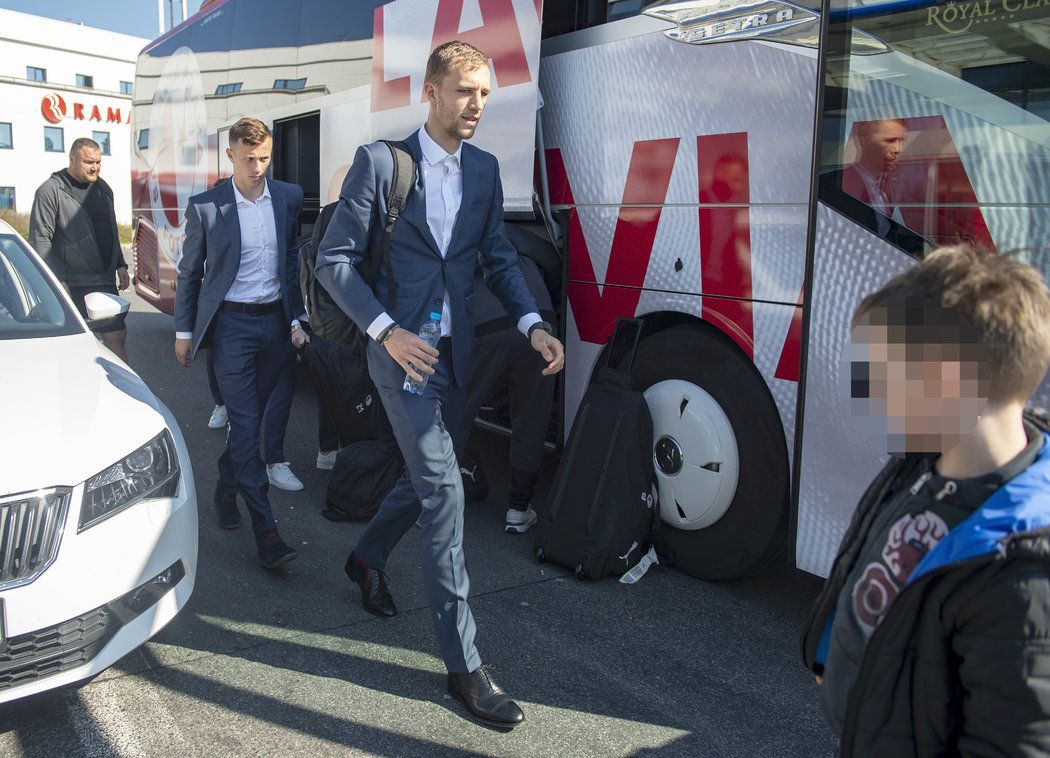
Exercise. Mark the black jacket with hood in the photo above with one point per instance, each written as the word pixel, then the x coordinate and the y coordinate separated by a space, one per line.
pixel 61 232
pixel 960 665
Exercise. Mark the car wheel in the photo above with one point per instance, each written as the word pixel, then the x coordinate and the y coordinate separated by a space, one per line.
pixel 719 453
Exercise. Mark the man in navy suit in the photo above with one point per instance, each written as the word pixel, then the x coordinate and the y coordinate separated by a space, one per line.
pixel 237 294
pixel 453 215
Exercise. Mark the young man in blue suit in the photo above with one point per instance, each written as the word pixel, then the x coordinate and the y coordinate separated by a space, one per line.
pixel 453 215
pixel 237 293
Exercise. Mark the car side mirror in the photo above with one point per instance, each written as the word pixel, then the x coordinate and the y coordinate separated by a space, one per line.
pixel 104 309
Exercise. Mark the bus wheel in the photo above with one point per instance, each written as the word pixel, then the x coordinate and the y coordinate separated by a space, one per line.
pixel 719 453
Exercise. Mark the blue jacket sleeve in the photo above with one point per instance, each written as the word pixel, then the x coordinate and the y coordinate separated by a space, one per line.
pixel 291 267
pixel 345 243
pixel 191 271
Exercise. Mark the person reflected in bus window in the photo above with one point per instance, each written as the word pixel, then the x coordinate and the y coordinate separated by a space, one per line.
pixel 870 177
pixel 238 292
pixel 930 635
pixel 73 226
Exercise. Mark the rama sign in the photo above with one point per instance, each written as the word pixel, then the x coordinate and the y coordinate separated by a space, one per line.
pixel 53 107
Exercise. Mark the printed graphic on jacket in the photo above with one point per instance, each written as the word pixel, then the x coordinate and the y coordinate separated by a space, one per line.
pixel 909 540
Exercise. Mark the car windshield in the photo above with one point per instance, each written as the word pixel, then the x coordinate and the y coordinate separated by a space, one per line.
pixel 29 305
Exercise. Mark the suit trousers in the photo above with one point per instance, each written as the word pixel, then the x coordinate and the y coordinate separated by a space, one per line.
pixel 278 409
pixel 249 354
pixel 431 482
pixel 507 354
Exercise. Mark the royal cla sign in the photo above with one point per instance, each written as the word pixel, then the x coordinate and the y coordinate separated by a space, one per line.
pixel 53 108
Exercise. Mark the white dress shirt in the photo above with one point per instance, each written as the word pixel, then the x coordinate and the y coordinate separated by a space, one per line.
pixel 257 278
pixel 877 199
pixel 443 183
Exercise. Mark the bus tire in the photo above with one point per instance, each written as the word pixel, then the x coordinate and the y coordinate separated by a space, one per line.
pixel 705 397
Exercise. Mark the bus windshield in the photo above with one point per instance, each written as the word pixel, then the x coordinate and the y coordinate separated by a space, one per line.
pixel 939 133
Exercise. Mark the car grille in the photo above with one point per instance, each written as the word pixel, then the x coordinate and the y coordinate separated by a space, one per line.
pixel 58 648
pixel 30 530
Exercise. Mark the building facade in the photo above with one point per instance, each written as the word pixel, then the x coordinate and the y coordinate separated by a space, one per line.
pixel 60 81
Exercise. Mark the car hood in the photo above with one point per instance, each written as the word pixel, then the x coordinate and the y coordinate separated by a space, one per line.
pixel 68 409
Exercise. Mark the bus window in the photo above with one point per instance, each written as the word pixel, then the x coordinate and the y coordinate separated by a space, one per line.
pixel 297 158
pixel 941 137
pixel 571 15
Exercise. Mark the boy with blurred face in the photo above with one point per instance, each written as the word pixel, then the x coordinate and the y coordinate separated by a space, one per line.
pixel 929 637
pixel 73 227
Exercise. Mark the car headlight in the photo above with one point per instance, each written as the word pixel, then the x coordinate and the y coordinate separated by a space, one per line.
pixel 151 471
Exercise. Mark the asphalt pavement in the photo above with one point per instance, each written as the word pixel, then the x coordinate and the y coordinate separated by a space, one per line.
pixel 288 663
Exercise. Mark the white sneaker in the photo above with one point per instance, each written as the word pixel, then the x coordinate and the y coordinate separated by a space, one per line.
pixel 281 476
pixel 219 418
pixel 519 522
pixel 326 461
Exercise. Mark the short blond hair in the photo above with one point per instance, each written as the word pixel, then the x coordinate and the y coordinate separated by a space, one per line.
pixel 453 55
pixel 1001 302
pixel 250 131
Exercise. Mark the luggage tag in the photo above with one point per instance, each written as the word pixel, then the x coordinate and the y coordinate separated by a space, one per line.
pixel 636 573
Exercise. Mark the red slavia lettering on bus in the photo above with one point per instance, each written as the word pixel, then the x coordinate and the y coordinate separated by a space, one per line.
pixel 725 237
pixel 498 36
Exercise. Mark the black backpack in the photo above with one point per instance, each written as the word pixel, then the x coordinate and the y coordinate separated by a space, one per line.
pixel 345 391
pixel 327 320
pixel 601 515
pixel 363 475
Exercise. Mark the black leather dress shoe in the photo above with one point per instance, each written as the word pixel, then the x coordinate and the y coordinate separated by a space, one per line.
pixel 273 552
pixel 485 699
pixel 375 596
pixel 226 505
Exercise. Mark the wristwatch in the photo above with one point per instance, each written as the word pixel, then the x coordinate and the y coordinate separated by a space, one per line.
pixel 544 325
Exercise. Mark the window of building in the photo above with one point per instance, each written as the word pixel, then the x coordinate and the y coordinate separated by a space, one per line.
pixel 125 88
pixel 143 139
pixel 7 198
pixel 35 74
pixel 54 139
pixel 289 84
pixel 85 81
pixel 228 89
pixel 6 140
pixel 102 138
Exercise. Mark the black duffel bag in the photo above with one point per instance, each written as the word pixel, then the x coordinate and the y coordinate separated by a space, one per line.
pixel 364 473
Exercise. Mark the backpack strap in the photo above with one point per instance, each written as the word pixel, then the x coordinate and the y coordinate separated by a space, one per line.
pixel 401 184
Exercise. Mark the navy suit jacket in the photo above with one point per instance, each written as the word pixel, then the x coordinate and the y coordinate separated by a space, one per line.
pixel 211 255
pixel 421 274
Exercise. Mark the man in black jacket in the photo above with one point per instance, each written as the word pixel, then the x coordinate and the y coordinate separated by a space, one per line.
pixel 932 635
pixel 501 355
pixel 74 229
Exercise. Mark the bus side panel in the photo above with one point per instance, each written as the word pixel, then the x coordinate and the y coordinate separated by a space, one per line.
pixel 692 205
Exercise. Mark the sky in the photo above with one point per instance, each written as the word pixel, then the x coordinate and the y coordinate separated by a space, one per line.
pixel 138 18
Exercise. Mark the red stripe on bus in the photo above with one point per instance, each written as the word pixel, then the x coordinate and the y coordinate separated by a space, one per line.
pixel 790 354
pixel 723 178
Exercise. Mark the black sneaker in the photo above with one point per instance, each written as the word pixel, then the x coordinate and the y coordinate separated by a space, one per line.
pixel 273 552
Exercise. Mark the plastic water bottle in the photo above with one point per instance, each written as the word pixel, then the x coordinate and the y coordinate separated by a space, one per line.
pixel 430 333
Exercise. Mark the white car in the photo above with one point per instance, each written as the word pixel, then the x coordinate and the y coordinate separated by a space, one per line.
pixel 98 512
